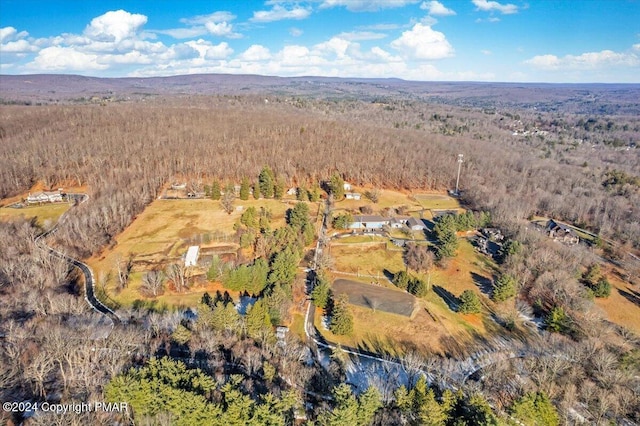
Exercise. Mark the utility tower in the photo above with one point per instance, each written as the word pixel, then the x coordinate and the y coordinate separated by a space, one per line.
pixel 460 161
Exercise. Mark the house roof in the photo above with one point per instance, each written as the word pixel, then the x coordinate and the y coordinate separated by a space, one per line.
pixel 552 224
pixel 412 221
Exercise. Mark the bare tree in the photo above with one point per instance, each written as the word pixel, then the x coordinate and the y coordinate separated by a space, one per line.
pixel 152 283
pixel 227 200
pixel 418 257
pixel 177 273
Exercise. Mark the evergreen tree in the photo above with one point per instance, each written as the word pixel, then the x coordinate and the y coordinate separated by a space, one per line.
pixel 302 194
pixel 257 319
pixel 469 303
pixel 369 402
pixel 249 218
pixel 215 190
pixel 592 274
pixel 320 293
pixel 602 288
pixel 256 190
pixel 298 216
pixel 557 320
pixel 244 189
pixel 535 409
pixel 401 280
pixel 342 221
pixel 341 316
pixel 278 189
pixel 284 268
pixel 446 239
pixel 228 198
pixel 504 288
pixel 336 186
pixel 418 287
pixel 266 181
pixel 314 193
pixel 345 411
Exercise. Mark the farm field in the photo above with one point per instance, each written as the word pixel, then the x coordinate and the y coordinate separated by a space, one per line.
pixel 162 233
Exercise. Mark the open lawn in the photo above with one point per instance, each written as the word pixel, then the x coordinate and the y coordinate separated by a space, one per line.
pixel 383 332
pixel 163 232
pixel 368 258
pixel 436 201
pixel 376 297
pixel 46 215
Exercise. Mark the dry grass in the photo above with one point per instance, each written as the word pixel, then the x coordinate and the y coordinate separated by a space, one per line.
pixel 436 201
pixel 367 258
pixel 162 234
pixel 46 215
pixel 623 306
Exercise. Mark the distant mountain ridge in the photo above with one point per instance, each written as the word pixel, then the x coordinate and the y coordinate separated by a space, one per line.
pixel 581 98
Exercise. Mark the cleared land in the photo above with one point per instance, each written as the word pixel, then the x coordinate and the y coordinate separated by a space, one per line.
pixel 162 234
pixel 377 297
pixel 46 214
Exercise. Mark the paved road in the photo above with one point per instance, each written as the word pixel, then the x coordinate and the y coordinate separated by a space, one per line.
pixel 89 280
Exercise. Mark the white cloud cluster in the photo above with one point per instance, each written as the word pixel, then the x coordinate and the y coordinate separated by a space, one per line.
pixel 435 8
pixel 494 6
pixel 278 13
pixel 585 61
pixel 217 24
pixel 366 5
pixel 423 43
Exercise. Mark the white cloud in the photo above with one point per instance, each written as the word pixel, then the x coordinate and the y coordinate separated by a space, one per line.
pixel 255 52
pixel 636 47
pixel 6 33
pixel 361 35
pixel 18 46
pixel 494 6
pixel 56 58
pixel 366 5
pixel 220 16
pixel 181 33
pixel 486 52
pixel 423 43
pixel 115 26
pixel 585 61
pixel 208 50
pixel 278 13
pixel 436 8
pixel 296 32
pixel 222 29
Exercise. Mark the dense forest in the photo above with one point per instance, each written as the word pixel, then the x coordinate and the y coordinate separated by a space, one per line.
pixel 518 163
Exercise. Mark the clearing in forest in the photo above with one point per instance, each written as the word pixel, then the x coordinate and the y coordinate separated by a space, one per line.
pixel 161 235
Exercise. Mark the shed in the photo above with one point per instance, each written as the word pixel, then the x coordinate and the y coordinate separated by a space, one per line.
pixel 191 258
pixel 415 224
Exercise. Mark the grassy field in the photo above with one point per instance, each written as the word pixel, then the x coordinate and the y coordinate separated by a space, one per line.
pixel 436 327
pixel 162 234
pixel 46 214
pixel 623 306
pixel 368 258
pixel 436 201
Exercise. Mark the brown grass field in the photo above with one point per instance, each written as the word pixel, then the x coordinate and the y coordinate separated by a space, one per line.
pixel 46 215
pixel 376 297
pixel 163 232
pixel 623 306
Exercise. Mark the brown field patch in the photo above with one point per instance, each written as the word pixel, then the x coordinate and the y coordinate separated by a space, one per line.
pixel 376 297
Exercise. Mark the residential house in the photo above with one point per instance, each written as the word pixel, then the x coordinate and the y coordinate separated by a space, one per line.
pixel 44 197
pixel 561 232
pixel 346 186
pixel 377 222
pixel 352 196
pixel 416 224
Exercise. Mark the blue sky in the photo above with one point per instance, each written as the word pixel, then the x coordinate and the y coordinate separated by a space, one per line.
pixel 453 40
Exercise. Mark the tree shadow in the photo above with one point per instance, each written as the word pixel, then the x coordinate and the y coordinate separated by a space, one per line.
pixel 449 298
pixel 388 274
pixel 485 284
pixel 631 295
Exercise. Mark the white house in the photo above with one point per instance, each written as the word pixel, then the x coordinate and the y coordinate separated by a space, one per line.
pixel 352 196
pixel 346 186
pixel 191 258
pixel 44 197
